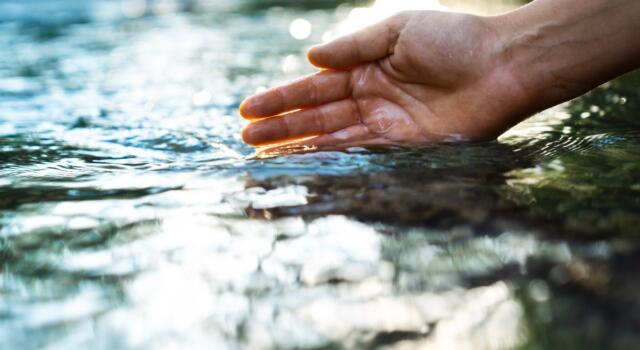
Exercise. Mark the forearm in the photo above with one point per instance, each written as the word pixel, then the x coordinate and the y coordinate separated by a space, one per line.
pixel 560 49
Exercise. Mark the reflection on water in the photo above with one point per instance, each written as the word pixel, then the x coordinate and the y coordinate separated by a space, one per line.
pixel 132 217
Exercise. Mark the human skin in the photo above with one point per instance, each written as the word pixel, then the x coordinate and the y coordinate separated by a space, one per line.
pixel 422 77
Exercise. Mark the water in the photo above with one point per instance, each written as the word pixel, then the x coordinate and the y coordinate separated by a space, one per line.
pixel 132 216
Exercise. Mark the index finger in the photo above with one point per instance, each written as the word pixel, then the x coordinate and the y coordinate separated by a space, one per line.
pixel 310 91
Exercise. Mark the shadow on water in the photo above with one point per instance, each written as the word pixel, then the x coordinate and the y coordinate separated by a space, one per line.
pixel 439 186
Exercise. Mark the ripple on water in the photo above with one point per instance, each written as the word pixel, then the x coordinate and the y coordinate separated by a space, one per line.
pixel 133 217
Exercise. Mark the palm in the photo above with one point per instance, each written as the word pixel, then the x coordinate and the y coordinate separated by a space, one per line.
pixel 387 113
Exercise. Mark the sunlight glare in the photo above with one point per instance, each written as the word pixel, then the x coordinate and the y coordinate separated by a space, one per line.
pixel 291 64
pixel 361 17
pixel 300 28
pixel 201 98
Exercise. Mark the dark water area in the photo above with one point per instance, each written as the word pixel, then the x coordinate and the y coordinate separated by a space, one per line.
pixel 133 217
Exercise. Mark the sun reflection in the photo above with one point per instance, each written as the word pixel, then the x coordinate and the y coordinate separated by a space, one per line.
pixel 291 64
pixel 300 28
pixel 361 17
pixel 143 228
pixel 201 98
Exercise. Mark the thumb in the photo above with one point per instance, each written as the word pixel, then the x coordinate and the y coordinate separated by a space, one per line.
pixel 366 45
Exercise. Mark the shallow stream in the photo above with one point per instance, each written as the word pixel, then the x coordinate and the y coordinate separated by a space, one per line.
pixel 133 217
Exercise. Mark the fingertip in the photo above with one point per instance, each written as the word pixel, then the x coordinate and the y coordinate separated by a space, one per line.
pixel 258 134
pixel 248 135
pixel 252 108
pixel 314 56
pixel 311 55
pixel 245 108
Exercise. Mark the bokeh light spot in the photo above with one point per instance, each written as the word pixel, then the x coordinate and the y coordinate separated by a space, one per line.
pixel 300 28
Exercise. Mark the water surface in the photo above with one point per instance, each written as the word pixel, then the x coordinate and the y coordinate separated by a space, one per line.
pixel 133 217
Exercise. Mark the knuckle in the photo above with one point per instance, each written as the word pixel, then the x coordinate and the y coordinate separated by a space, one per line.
pixel 355 48
pixel 286 126
pixel 313 90
pixel 281 100
pixel 319 122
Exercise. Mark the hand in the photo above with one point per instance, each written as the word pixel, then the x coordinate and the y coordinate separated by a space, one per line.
pixel 416 78
pixel 422 77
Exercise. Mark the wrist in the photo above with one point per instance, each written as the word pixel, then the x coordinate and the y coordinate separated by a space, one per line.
pixel 514 82
pixel 527 55
pixel 556 50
